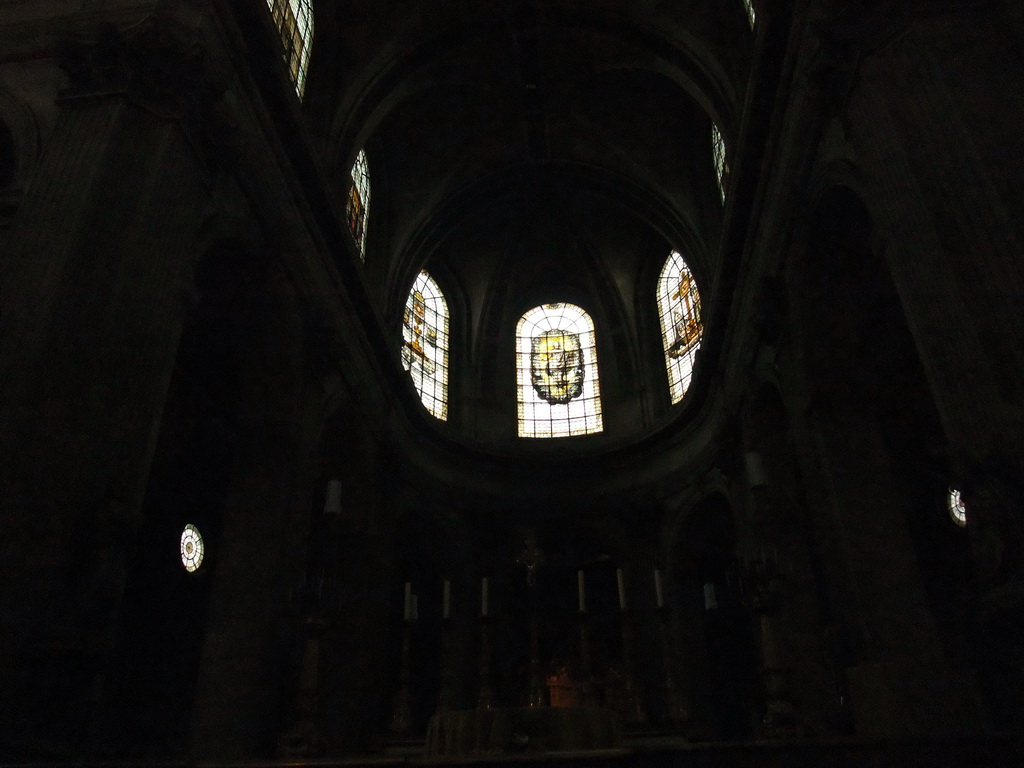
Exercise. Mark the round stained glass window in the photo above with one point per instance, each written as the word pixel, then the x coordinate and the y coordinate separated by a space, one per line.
pixel 191 548
pixel 957 510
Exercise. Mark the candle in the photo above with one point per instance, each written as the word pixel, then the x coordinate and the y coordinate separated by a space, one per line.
pixel 483 596
pixel 658 594
pixel 447 608
pixel 407 610
pixel 622 588
pixel 582 591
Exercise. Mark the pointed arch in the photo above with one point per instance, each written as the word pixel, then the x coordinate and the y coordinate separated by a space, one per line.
pixel 681 327
pixel 558 391
pixel 294 22
pixel 358 205
pixel 425 344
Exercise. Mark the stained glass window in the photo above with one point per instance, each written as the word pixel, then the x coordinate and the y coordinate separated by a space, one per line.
pixel 358 205
pixel 191 548
pixel 556 365
pixel 957 510
pixel 749 5
pixel 425 344
pixel 721 166
pixel 294 20
pixel 681 328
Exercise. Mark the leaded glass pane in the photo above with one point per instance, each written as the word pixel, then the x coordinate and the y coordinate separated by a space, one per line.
pixel 681 328
pixel 556 364
pixel 721 167
pixel 191 548
pixel 294 20
pixel 425 344
pixel 358 205
pixel 957 510
pixel 749 5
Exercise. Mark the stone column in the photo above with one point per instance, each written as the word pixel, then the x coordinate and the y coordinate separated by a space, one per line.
pixel 91 307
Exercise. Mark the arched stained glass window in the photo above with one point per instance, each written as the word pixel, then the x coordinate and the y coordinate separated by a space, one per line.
pixel 294 20
pixel 425 344
pixel 556 369
pixel 957 510
pixel 358 205
pixel 721 166
pixel 749 5
pixel 681 328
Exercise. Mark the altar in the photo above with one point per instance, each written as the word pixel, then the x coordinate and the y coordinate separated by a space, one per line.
pixel 510 730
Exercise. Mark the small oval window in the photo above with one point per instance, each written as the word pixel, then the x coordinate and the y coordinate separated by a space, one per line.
pixel 191 548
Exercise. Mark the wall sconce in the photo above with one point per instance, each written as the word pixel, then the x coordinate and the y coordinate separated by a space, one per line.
pixel 332 504
pixel 755 470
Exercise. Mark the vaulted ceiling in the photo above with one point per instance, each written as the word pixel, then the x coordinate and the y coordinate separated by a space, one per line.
pixel 526 151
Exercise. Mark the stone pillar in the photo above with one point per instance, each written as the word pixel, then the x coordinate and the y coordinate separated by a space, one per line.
pixel 937 153
pixel 91 309
pixel 895 665
pixel 242 680
pixel 358 658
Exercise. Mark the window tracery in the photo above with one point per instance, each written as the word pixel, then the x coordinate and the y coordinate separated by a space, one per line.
pixel 358 205
pixel 721 166
pixel 956 507
pixel 191 548
pixel 425 344
pixel 556 367
pixel 294 21
pixel 681 327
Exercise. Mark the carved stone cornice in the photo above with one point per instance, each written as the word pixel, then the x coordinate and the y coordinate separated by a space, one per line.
pixel 167 65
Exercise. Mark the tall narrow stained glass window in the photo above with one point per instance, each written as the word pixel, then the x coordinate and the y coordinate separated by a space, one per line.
pixel 425 344
pixel 358 205
pixel 294 20
pixel 718 153
pixel 749 5
pixel 556 370
pixel 681 328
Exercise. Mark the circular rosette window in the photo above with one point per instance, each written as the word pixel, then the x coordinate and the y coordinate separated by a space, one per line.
pixel 191 548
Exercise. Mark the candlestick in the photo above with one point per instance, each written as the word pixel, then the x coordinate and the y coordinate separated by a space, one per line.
pixel 582 591
pixel 658 594
pixel 447 601
pixel 622 588
pixel 483 596
pixel 407 608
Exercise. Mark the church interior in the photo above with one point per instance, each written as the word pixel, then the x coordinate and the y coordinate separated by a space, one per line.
pixel 555 381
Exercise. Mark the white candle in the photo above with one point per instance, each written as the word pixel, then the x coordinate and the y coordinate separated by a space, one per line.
pixel 658 594
pixel 407 610
pixel 483 596
pixel 622 588
pixel 582 591
pixel 446 612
